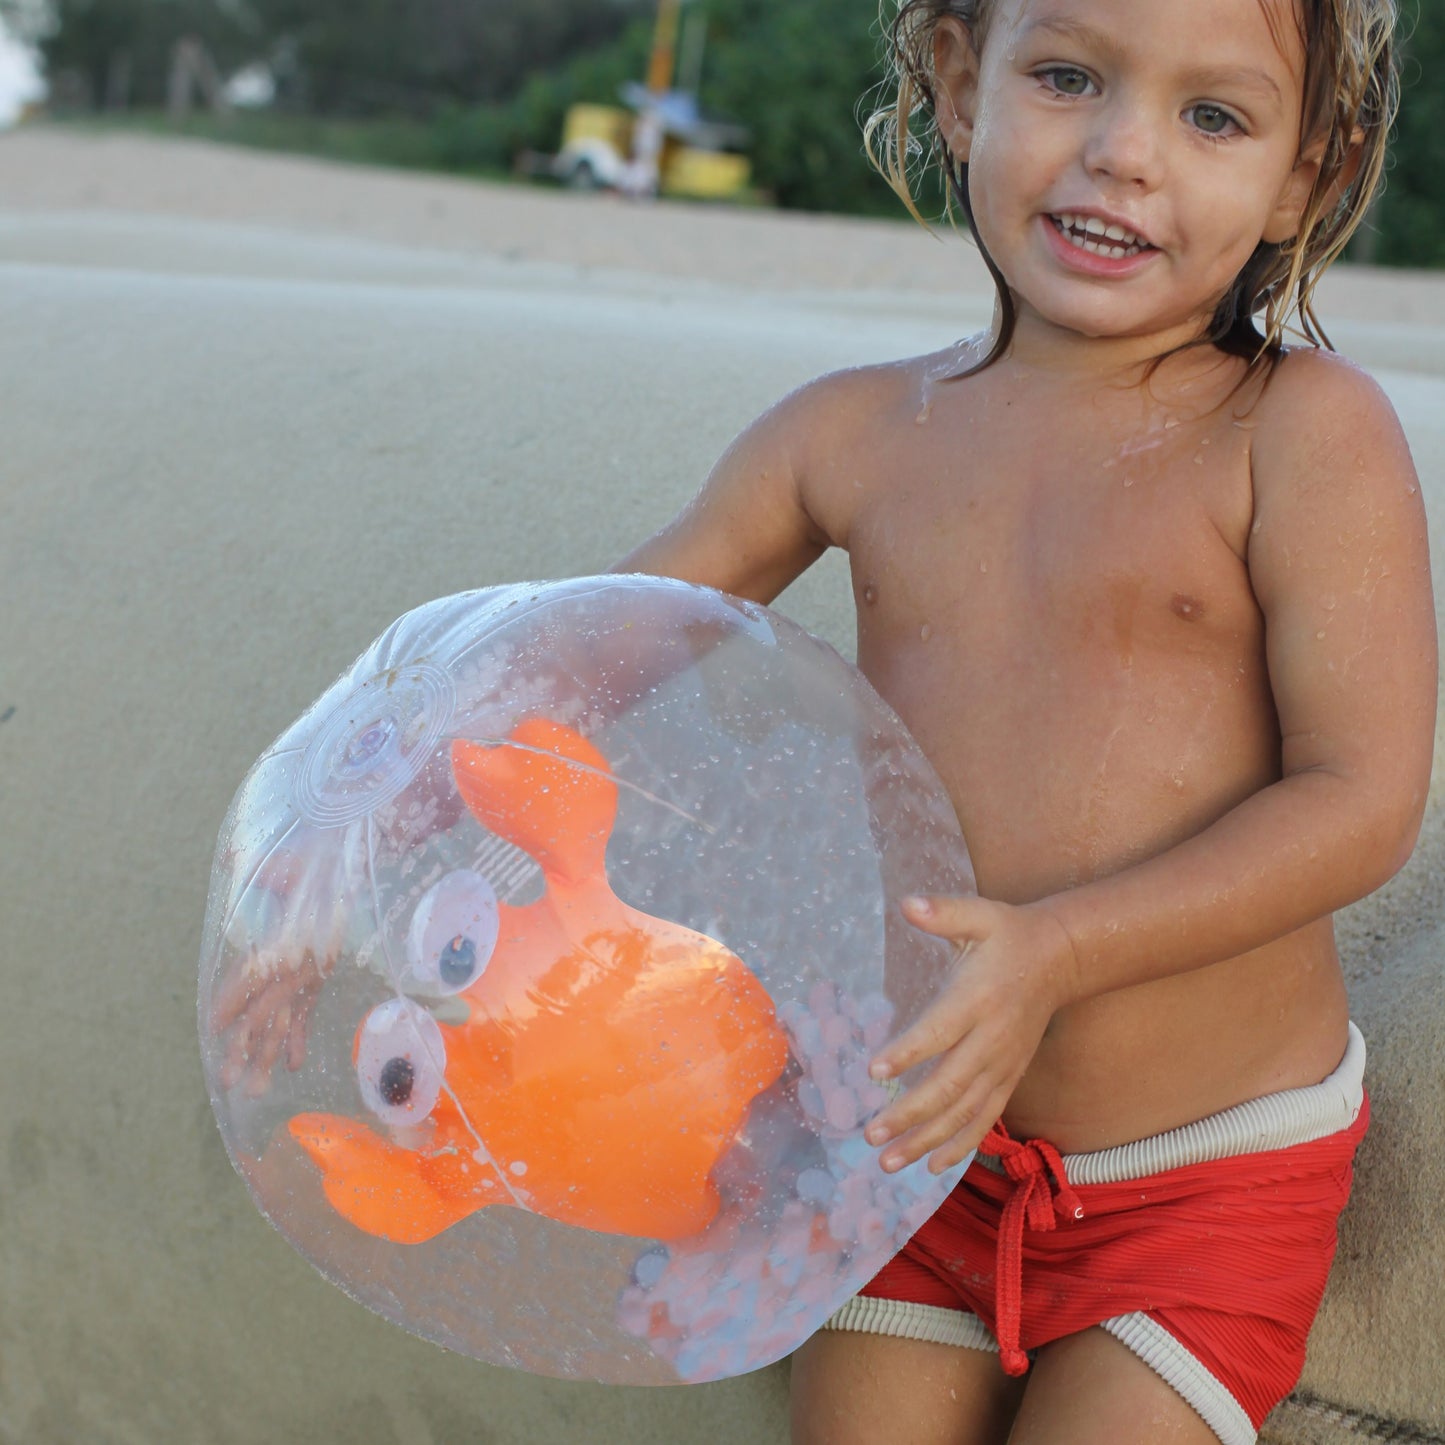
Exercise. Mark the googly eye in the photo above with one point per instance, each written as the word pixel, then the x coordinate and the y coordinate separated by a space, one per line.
pixel 452 933
pixel 400 1060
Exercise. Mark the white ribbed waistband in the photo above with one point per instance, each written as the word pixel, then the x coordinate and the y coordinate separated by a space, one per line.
pixel 1273 1121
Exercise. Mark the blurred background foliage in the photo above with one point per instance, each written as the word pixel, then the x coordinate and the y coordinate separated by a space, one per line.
pixel 467 85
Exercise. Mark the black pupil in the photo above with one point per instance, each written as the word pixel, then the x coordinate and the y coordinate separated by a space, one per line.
pixel 397 1078
pixel 458 960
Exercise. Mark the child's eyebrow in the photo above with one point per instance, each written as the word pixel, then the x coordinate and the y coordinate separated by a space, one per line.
pixel 1238 78
pixel 1241 76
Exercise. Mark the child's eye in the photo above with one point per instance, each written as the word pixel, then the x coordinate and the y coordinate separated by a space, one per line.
pixel 1211 120
pixel 1066 80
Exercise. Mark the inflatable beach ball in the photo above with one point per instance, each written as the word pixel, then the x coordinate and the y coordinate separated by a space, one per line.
pixel 543 961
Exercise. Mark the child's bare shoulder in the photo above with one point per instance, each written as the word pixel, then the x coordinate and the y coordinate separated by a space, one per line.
pixel 1322 418
pixel 1336 497
pixel 834 409
pixel 840 420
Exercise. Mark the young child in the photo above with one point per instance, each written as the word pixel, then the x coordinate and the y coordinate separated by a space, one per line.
pixel 1152 592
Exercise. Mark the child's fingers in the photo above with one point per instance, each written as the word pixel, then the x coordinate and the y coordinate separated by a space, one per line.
pixel 938 1029
pixel 296 1040
pixel 961 920
pixel 945 1137
pixel 943 1094
pixel 944 1023
pixel 263 1060
pixel 235 1061
pixel 948 915
pixel 231 999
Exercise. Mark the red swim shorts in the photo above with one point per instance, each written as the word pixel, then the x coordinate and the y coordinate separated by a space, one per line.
pixel 1205 1250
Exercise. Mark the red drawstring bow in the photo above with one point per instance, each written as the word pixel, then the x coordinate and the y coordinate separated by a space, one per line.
pixel 1035 1202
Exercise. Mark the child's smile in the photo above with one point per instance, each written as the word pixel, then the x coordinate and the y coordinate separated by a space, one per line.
pixel 1127 156
pixel 1098 245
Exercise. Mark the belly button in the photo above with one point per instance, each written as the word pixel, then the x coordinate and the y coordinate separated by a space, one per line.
pixel 1191 609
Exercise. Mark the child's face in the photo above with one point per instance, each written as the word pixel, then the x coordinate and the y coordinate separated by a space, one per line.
pixel 1177 120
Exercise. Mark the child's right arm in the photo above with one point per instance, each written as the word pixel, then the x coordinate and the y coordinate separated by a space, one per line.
pixel 753 527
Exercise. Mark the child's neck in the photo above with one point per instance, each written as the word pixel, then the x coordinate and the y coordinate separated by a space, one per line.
pixel 1044 348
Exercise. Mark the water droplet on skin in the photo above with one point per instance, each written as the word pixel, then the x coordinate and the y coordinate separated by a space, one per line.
pixel 1319 636
pixel 925 632
pixel 922 418
pixel 1128 481
pixel 870 593
pixel 983 566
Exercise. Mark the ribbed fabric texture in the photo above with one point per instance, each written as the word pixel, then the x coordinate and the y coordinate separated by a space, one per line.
pixel 906 1321
pixel 1177 1367
pixel 1275 1121
pixel 1225 1252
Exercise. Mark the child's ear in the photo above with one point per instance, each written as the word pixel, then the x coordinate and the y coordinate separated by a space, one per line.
pixel 955 85
pixel 1284 220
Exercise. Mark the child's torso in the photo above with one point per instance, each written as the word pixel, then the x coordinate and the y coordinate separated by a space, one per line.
pixel 1052 591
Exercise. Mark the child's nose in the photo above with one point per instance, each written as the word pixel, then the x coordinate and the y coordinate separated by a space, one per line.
pixel 1124 146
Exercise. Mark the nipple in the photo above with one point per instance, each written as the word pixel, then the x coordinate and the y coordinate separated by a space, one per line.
pixel 1191 609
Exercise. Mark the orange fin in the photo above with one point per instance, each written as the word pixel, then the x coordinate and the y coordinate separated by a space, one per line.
pixel 552 795
pixel 379 1188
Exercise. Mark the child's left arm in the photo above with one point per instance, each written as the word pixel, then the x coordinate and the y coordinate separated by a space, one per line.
pixel 1339 564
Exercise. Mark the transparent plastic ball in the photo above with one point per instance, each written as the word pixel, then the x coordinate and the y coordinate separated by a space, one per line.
pixel 543 961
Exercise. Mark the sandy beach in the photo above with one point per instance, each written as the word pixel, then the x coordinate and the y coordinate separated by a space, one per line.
pixel 252 407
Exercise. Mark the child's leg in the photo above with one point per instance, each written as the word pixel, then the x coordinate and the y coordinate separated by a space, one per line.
pixel 1089 1389
pixel 854 1388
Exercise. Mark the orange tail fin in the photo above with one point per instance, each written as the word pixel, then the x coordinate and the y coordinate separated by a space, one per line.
pixel 379 1188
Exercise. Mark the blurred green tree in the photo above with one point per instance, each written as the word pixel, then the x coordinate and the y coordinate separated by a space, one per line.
pixel 1410 219
pixel 120 50
pixel 796 75
pixel 412 57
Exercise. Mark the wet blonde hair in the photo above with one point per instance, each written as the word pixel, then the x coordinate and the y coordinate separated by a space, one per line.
pixel 1351 91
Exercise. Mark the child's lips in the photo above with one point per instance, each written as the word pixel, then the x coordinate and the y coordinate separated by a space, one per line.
pixel 1095 253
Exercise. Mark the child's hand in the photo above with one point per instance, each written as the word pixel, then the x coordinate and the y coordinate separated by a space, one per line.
pixel 1014 967
pixel 267 1016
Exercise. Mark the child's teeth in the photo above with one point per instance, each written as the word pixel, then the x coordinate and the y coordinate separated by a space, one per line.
pixel 1089 233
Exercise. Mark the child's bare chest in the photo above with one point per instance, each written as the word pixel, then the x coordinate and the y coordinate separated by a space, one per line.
pixel 1063 614
pixel 1076 538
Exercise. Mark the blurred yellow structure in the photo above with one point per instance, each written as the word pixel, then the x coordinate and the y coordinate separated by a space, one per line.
pixel 658 141
pixel 597 141
pixel 609 124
